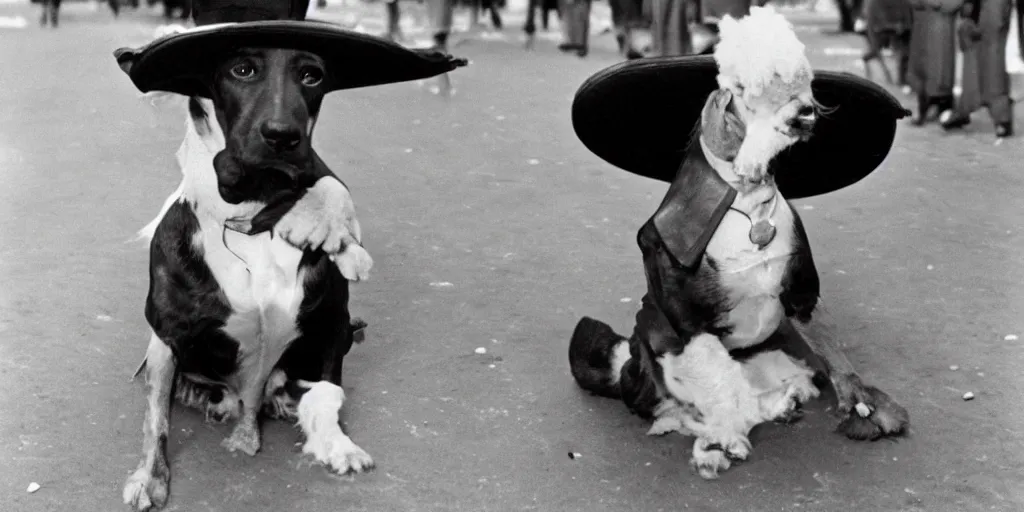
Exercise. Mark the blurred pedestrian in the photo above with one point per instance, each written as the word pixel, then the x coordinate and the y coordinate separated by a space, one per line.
pixel 888 25
pixel 627 15
pixel 670 28
pixel 393 17
pixel 441 13
pixel 51 12
pixel 984 30
pixel 575 24
pixel 932 55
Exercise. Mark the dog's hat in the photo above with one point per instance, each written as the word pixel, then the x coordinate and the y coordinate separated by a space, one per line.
pixel 638 116
pixel 178 62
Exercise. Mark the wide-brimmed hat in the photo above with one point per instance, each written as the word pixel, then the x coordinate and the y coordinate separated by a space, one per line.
pixel 639 115
pixel 181 62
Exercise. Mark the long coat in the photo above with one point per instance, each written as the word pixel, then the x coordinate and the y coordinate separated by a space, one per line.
pixel 985 80
pixel 933 47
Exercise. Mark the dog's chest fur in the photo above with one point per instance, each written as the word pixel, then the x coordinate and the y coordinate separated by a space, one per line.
pixel 261 278
pixel 752 279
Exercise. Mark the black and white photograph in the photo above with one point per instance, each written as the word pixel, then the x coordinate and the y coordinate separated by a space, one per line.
pixel 511 255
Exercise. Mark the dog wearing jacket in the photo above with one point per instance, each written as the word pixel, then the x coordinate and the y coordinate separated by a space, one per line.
pixel 703 357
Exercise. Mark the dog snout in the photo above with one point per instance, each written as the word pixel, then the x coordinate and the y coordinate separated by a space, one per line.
pixel 281 136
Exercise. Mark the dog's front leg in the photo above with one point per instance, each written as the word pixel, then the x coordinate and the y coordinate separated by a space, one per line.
pixel 869 413
pixel 325 218
pixel 319 409
pixel 147 487
pixel 245 437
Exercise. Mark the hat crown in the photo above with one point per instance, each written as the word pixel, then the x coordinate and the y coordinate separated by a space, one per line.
pixel 209 12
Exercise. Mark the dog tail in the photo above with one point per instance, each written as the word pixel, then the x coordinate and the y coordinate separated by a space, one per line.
pixel 596 357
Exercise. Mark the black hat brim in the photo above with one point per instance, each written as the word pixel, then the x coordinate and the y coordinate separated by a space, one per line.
pixel 181 62
pixel 639 116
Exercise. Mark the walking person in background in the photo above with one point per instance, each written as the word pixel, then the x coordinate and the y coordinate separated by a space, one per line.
pixel 933 55
pixel 888 26
pixel 984 30
pixel 670 29
pixel 575 24
pixel 441 13
pixel 393 16
pixel 51 13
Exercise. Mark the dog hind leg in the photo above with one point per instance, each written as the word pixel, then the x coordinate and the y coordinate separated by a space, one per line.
pixel 148 486
pixel 318 413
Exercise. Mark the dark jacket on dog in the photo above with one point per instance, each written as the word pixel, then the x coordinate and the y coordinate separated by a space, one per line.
pixel 684 294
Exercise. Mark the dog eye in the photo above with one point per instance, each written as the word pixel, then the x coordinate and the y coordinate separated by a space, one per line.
pixel 311 76
pixel 243 71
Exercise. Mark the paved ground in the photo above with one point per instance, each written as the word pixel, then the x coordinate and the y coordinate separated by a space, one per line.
pixel 491 192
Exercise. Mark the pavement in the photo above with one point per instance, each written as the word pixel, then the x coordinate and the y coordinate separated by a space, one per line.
pixel 491 226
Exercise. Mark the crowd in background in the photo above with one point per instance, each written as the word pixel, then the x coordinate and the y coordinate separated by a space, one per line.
pixel 923 35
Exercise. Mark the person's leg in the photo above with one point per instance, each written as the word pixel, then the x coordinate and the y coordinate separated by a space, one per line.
pixel 393 15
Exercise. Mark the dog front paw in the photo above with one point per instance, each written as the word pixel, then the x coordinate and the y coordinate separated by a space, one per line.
pixel 244 438
pixel 354 263
pixel 340 454
pixel 712 456
pixel 144 491
pixel 323 218
pixel 870 413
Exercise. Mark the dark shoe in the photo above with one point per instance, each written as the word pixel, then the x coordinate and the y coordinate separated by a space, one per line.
pixel 1004 130
pixel 923 105
pixel 952 120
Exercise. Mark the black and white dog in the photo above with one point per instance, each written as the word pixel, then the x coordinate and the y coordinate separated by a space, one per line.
pixel 249 267
pixel 703 359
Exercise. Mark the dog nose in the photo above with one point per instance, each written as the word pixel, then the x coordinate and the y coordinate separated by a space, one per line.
pixel 806 115
pixel 280 136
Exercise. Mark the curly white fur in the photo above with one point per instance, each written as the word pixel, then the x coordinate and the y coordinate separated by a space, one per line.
pixel 758 49
pixel 763 65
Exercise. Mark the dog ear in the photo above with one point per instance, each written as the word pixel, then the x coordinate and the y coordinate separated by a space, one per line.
pixel 721 126
pixel 126 59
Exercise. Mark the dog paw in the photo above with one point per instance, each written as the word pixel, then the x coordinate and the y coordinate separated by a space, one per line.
pixel 323 218
pixel 340 455
pixel 244 438
pixel 710 456
pixel 354 263
pixel 804 387
pixel 870 413
pixel 789 407
pixel 143 491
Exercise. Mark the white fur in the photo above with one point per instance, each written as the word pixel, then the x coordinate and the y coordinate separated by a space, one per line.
pixel 761 61
pixel 620 356
pixel 705 375
pixel 318 417
pixel 753 50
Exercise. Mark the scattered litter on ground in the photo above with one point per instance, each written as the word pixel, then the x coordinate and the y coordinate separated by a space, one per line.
pixel 481 350
pixel 862 409
pixel 533 161
pixel 647 464
pixel 491 366
pixel 33 487
pixel 408 150
pixel 1010 337
pixel 954 367
pixel 441 284
pixel 574 455
pixel 625 299
pixel 104 318
pixel 930 267
pixel 968 396
pixel 499 118
pixel 981 374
